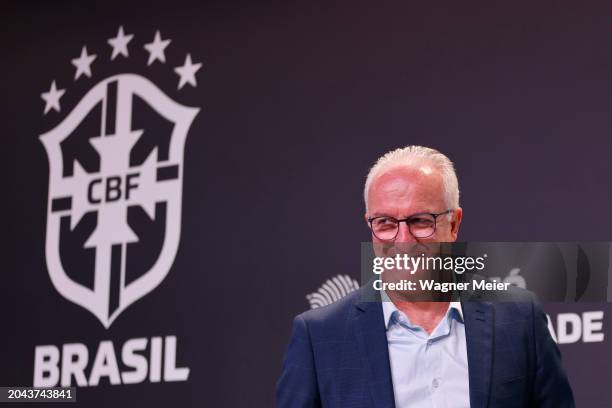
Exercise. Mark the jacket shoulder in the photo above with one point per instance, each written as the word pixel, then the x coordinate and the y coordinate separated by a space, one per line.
pixel 332 312
pixel 331 322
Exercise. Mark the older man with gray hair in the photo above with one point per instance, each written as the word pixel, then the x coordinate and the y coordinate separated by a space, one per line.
pixel 399 352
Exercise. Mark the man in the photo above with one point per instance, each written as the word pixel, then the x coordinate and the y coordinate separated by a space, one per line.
pixel 403 353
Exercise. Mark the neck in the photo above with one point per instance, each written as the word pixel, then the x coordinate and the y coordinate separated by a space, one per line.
pixel 425 314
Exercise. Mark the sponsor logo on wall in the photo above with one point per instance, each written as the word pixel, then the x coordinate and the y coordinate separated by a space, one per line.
pixel 332 290
pixel 114 203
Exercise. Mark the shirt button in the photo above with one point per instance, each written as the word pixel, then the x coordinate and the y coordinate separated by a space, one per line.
pixel 435 383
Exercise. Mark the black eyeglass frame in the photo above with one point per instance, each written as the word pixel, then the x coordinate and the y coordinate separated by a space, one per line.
pixel 434 216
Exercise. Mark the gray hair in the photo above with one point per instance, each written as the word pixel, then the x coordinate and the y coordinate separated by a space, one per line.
pixel 410 156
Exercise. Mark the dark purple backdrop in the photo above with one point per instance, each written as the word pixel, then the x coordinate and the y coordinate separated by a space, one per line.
pixel 297 102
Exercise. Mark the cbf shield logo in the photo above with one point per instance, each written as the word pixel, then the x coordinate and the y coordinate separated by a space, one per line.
pixel 115 185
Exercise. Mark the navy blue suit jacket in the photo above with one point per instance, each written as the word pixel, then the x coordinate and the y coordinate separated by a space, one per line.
pixel 338 356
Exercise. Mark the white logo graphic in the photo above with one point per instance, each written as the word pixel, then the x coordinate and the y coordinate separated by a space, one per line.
pixel 332 290
pixel 116 183
pixel 513 278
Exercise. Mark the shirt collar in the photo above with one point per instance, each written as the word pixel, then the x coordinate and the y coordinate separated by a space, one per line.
pixel 389 307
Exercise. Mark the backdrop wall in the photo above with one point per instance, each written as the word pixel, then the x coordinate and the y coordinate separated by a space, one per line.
pixel 176 215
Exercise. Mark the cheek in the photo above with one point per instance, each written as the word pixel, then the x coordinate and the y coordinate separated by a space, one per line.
pixel 444 233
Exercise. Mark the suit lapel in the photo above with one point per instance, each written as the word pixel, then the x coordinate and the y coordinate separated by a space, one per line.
pixel 372 339
pixel 479 339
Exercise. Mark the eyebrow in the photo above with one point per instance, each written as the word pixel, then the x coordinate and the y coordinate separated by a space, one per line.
pixel 378 214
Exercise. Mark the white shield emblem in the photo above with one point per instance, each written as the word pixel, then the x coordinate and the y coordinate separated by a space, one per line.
pixel 110 191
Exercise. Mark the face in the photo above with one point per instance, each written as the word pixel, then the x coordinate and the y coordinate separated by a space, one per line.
pixel 405 191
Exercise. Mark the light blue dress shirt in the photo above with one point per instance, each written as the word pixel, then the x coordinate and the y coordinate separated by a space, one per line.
pixel 428 370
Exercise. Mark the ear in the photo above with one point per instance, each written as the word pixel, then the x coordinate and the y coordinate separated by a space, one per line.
pixel 366 218
pixel 455 223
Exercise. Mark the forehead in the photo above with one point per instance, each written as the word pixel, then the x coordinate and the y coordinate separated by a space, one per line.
pixel 407 190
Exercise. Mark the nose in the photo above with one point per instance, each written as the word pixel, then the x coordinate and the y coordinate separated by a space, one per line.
pixel 404 235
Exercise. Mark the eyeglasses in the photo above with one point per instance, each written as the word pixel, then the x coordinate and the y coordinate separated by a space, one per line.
pixel 422 225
